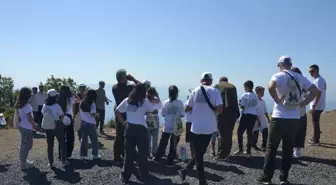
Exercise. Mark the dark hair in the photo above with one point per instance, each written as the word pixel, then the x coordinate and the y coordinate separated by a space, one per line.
pixel 24 95
pixel 173 93
pixel 101 83
pixel 249 84
pixel 51 100
pixel 259 89
pixel 34 88
pixel 90 98
pixel 314 66
pixel 64 97
pixel 151 92
pixel 120 73
pixel 223 79
pixel 297 70
pixel 137 96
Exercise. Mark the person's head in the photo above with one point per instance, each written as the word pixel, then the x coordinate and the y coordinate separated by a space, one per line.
pixel 90 98
pixel 248 86
pixel 173 92
pixel 285 63
pixel 64 96
pixel 260 91
pixel 34 89
pixel 314 71
pixel 223 79
pixel 82 88
pixel 41 88
pixel 138 94
pixel 151 93
pixel 147 84
pixel 51 97
pixel 101 84
pixel 121 76
pixel 24 95
pixel 206 78
pixel 297 70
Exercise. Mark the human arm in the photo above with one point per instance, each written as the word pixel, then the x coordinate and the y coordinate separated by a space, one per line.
pixel 218 102
pixel 93 110
pixel 189 104
pixel 28 111
pixel 150 107
pixel 122 108
pixel 131 78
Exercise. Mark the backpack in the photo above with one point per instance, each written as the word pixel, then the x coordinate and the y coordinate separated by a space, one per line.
pixel 177 124
pixel 48 121
pixel 150 120
pixel 292 98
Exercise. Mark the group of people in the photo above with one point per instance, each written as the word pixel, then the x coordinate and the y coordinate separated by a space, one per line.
pixel 209 112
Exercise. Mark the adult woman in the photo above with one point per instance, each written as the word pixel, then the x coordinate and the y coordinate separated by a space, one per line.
pixel 66 101
pixel 136 107
pixel 300 136
pixel 153 130
pixel 26 126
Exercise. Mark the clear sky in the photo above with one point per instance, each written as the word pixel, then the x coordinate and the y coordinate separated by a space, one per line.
pixel 165 41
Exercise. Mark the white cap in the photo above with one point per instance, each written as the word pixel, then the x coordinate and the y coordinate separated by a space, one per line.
pixel 147 82
pixel 52 92
pixel 206 76
pixel 285 59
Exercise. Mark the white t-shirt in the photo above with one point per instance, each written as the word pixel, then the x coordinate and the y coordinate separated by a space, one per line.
pixel 250 102
pixel 158 106
pixel 321 84
pixel 136 115
pixel 71 102
pixel 24 121
pixel 282 82
pixel 40 98
pixel 55 109
pixel 168 110
pixel 86 116
pixel 262 110
pixel 204 119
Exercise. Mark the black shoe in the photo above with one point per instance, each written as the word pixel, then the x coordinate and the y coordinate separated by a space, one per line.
pixel 123 180
pixel 170 164
pixel 264 180
pixel 118 161
pixel 182 174
pixel 263 149
pixel 224 159
pixel 256 148
pixel 203 182
pixel 156 160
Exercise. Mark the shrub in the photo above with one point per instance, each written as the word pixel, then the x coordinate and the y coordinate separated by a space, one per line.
pixel 111 123
pixel 8 114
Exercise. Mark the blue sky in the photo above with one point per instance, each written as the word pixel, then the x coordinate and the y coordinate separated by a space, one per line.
pixel 167 42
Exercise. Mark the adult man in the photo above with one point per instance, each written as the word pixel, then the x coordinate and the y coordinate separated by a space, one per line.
pixel 121 90
pixel 37 101
pixel 33 103
pixel 285 88
pixel 227 119
pixel 205 102
pixel 318 105
pixel 100 103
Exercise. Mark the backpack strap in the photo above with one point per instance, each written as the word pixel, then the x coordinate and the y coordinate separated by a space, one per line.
pixel 297 84
pixel 207 99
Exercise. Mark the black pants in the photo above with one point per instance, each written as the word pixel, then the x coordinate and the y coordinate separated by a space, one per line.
pixel 199 146
pixel 118 147
pixel 264 133
pixel 69 137
pixel 79 134
pixel 300 136
pixel 226 123
pixel 247 122
pixel 316 114
pixel 38 116
pixel 136 136
pixel 58 132
pixel 100 119
pixel 163 145
pixel 280 129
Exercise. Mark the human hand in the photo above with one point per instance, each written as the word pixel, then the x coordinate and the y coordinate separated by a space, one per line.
pixel 35 127
pixel 130 77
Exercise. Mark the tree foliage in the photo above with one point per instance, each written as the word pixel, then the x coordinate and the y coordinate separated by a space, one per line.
pixel 56 83
pixel 7 96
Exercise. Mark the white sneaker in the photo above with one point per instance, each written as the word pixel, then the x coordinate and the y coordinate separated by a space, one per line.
pixel 297 153
pixel 26 165
pixel 97 157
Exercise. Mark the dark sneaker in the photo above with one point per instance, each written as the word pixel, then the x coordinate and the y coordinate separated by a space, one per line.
pixel 263 149
pixel 248 154
pixel 239 152
pixel 118 161
pixel 203 182
pixel 156 160
pixel 170 164
pixel 256 148
pixel 122 179
pixel 182 174
pixel 220 158
pixel 264 180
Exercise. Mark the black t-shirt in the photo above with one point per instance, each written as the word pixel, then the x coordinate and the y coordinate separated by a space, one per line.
pixel 121 91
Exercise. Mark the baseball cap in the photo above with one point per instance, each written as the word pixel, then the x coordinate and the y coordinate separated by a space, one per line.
pixel 285 59
pixel 147 82
pixel 206 76
pixel 52 92
pixel 81 85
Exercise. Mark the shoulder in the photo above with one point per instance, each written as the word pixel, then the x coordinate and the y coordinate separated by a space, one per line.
pixel 278 75
pixel 115 86
pixel 166 102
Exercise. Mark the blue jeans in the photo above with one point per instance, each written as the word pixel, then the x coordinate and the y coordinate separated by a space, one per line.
pixel 88 130
pixel 26 143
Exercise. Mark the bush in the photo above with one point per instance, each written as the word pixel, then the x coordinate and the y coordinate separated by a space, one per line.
pixel 8 114
pixel 111 123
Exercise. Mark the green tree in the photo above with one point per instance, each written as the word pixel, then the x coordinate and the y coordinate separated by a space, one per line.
pixel 7 98
pixel 56 83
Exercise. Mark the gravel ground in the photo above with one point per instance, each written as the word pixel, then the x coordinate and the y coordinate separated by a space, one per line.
pixel 317 168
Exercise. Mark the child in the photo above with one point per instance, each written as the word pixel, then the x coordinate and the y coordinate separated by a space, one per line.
pixel 26 126
pixel 88 128
pixel 261 126
pixel 171 107
pixel 249 104
pixel 54 127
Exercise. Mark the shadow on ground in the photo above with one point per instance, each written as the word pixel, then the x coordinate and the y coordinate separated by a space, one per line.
pixel 35 176
pixel 4 167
